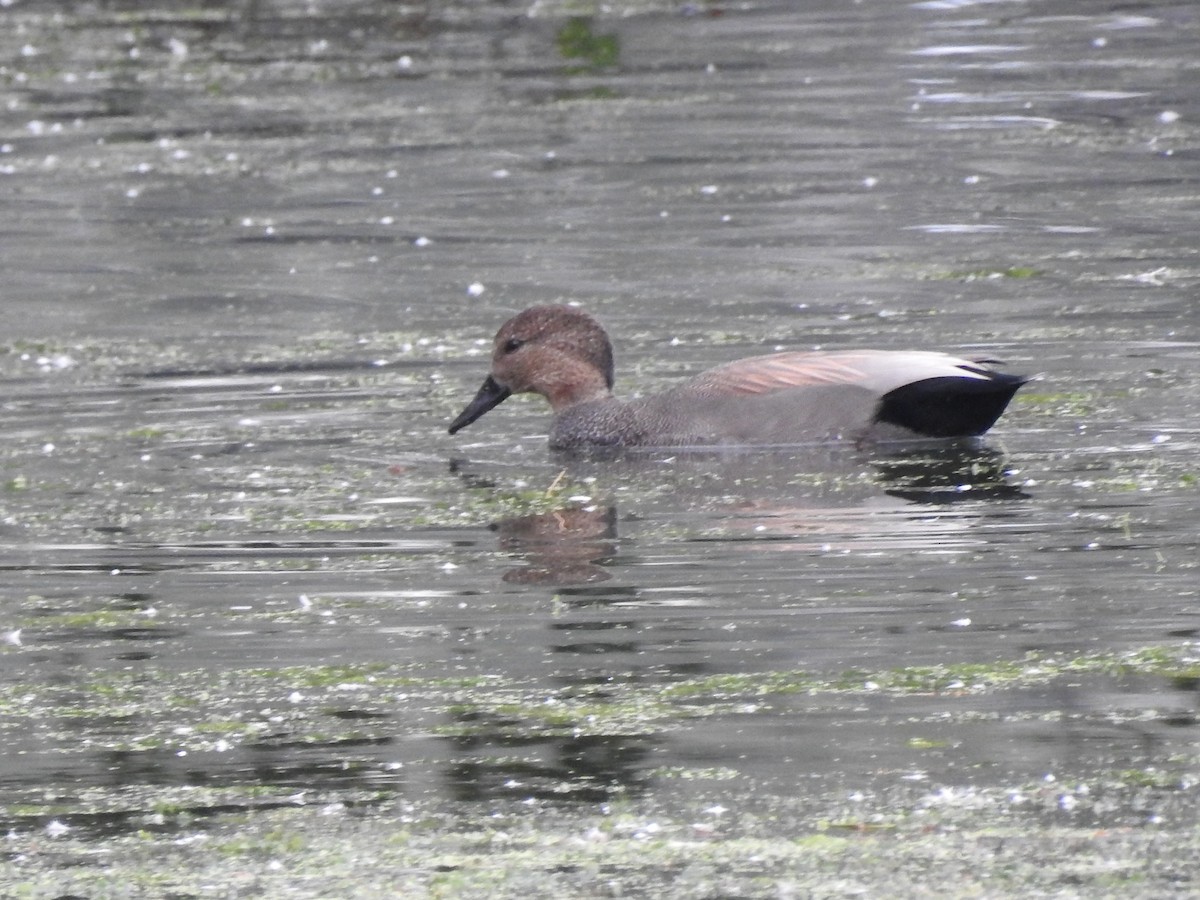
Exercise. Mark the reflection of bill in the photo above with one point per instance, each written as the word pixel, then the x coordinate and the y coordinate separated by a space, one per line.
pixel 560 547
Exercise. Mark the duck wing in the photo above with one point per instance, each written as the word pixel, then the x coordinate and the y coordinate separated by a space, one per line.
pixel 872 394
pixel 878 371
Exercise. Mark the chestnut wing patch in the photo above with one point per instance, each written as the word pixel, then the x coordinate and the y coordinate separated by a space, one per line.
pixel 781 371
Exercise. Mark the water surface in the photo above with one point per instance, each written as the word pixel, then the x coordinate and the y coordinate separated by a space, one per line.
pixel 254 256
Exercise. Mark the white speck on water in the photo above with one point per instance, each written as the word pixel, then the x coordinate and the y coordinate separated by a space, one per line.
pixel 56 828
pixel 47 448
pixel 387 220
pixel 295 697
pixel 971 179
pixel 1155 277
pixel 870 181
pixel 1168 116
pixel 59 361
pixel 404 62
pixel 376 191
pixel 448 567
pixel 476 289
pixel 422 241
pixel 275 389
pixel 1100 42
pixel 13 637
pixel 304 602
pixel 870 685
pixel 133 193
pixel 709 189
pixel 1160 439
pixel 961 623
pixel 29 50
pixel 968 49
pixel 500 173
pixel 178 48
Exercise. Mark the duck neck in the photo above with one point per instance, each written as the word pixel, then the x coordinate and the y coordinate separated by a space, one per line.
pixel 569 392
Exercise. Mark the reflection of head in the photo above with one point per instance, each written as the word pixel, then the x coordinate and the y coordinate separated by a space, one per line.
pixel 559 547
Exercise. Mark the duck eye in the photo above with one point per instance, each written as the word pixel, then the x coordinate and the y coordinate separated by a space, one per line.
pixel 512 345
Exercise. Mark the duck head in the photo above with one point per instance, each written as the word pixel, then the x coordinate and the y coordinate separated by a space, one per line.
pixel 558 351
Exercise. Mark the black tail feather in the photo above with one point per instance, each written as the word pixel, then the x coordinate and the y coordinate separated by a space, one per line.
pixel 949 407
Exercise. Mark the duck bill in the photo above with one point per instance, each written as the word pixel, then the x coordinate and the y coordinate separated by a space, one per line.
pixel 491 394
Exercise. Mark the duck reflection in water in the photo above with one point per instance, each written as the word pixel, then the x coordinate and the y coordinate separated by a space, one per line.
pixel 573 545
pixel 561 547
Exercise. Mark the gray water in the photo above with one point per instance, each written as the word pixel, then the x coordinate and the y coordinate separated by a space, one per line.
pixel 253 256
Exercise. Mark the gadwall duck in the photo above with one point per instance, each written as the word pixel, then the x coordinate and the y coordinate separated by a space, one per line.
pixel 565 355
